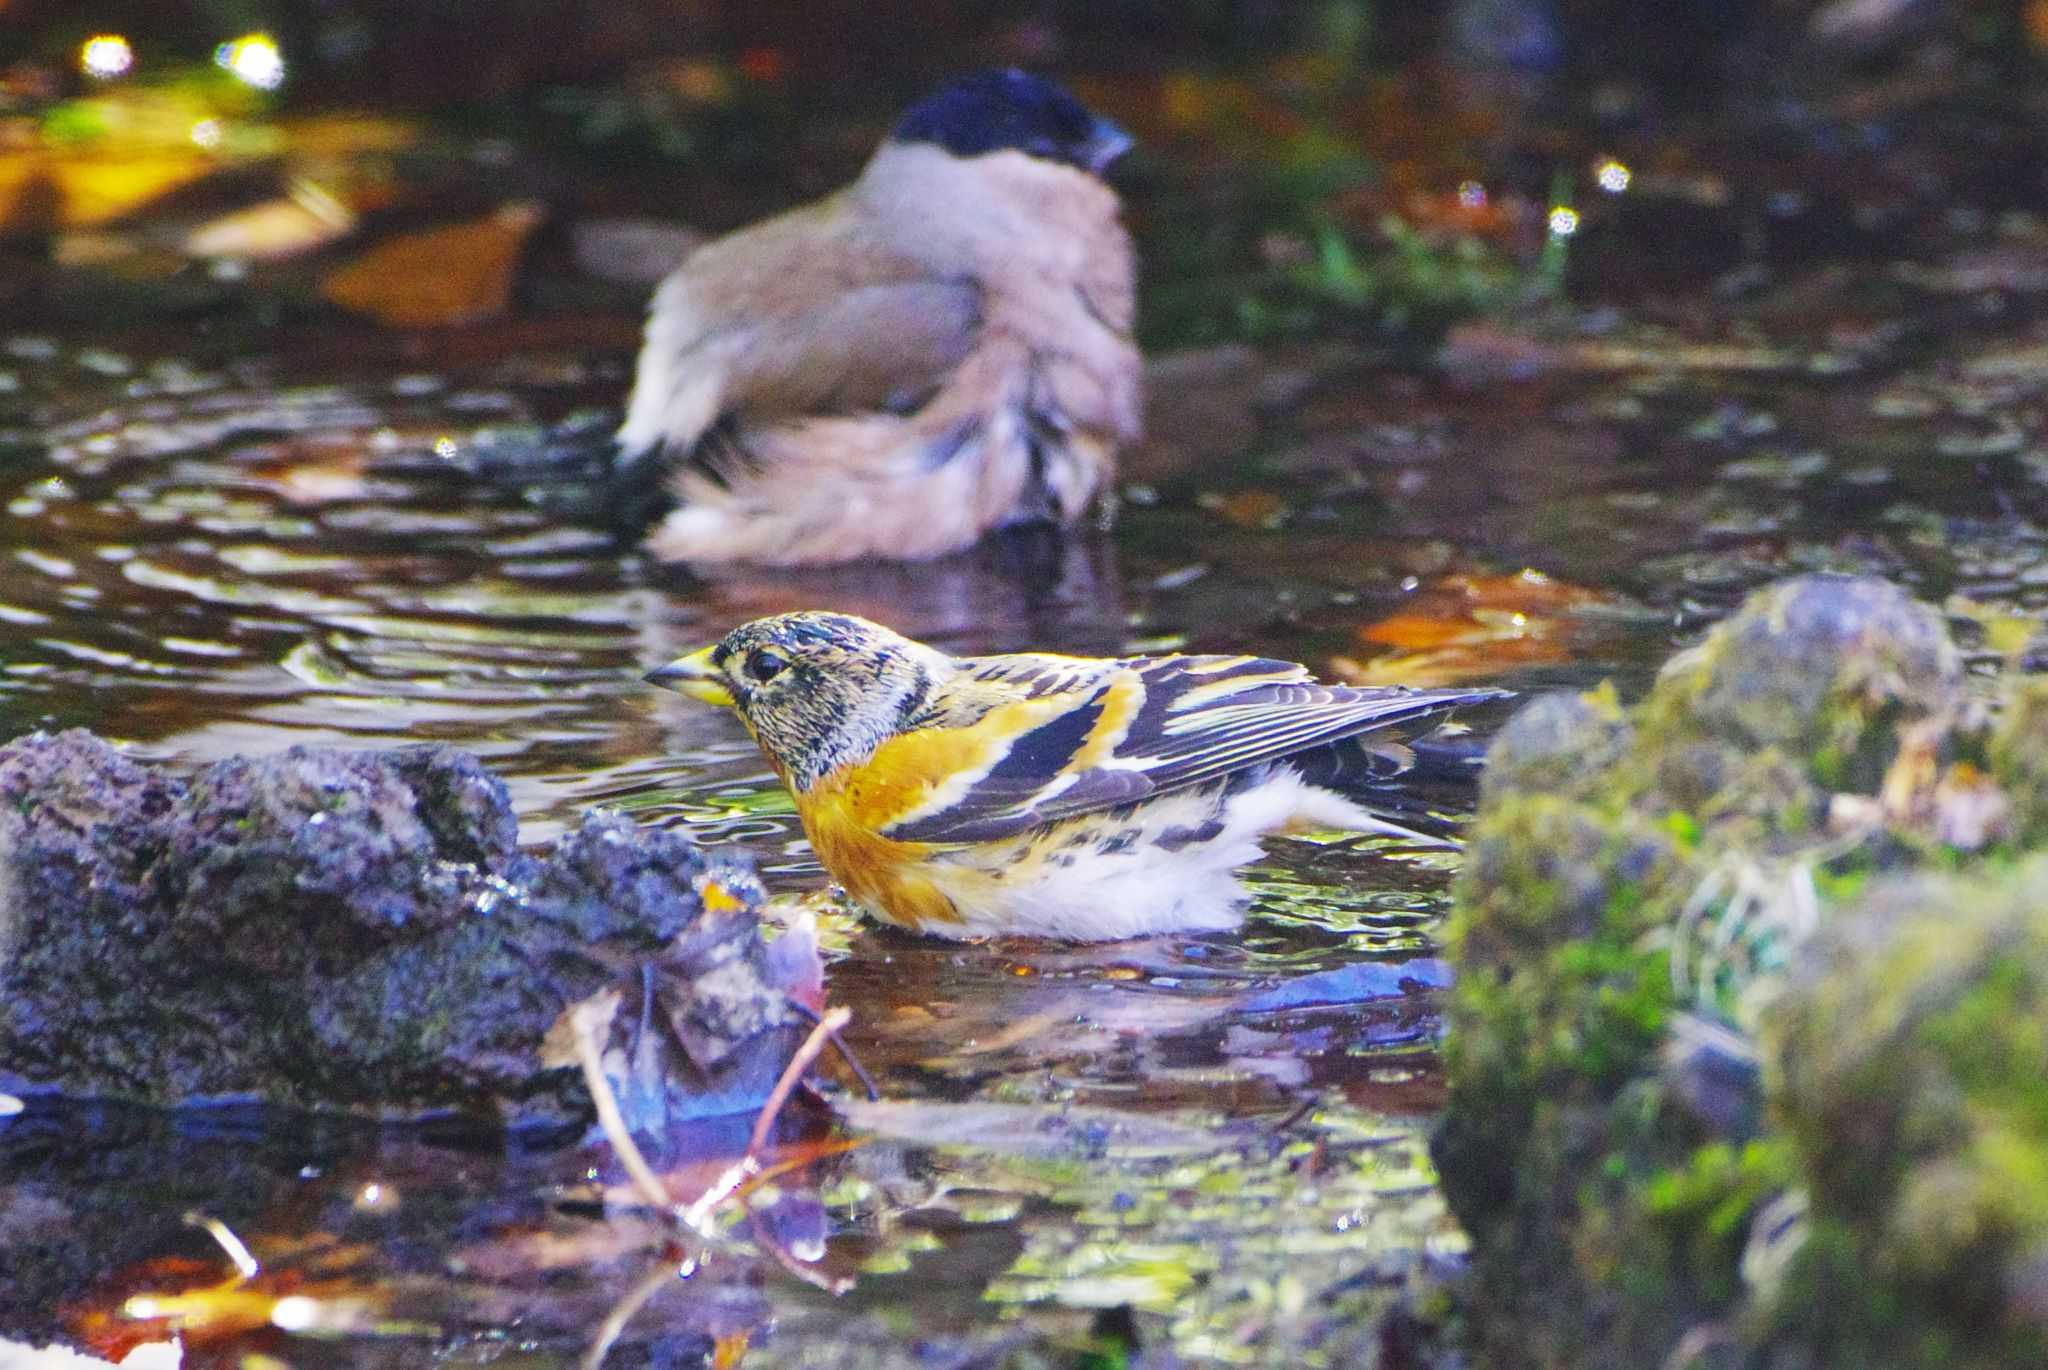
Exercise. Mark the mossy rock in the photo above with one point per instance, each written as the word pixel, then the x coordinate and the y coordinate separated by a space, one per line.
pixel 1639 884
pixel 1908 1063
pixel 1825 668
pixel 2018 755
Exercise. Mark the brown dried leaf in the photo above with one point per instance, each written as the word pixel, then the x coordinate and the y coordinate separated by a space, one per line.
pixel 456 274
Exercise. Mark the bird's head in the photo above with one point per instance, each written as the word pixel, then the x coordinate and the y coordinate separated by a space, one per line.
pixel 816 690
pixel 996 111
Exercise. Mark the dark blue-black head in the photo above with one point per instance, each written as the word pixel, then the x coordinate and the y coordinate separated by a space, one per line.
pixel 992 111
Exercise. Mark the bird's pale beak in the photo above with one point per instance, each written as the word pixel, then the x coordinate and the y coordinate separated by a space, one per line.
pixel 1106 142
pixel 695 676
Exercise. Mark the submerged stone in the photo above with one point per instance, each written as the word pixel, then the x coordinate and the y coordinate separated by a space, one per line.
pixel 341 929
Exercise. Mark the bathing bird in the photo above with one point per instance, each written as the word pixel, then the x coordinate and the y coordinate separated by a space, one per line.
pixel 1055 796
pixel 940 348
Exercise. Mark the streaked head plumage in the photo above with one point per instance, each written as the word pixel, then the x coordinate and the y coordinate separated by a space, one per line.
pixel 818 690
pixel 1012 110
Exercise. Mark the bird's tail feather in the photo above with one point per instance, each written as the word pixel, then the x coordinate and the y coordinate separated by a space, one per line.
pixel 1424 787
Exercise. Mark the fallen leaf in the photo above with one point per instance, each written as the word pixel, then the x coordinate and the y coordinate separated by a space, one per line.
pixel 308 217
pixel 334 136
pixel 1247 508
pixel 1465 626
pixel 97 189
pixel 456 274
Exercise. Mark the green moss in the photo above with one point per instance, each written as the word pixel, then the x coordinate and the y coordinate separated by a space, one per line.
pixel 2018 754
pixel 1908 1060
pixel 1609 1182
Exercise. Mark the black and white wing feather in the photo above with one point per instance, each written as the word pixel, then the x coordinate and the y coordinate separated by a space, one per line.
pixel 1145 726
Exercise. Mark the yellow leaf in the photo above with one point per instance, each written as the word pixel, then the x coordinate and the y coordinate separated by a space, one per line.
pixel 96 189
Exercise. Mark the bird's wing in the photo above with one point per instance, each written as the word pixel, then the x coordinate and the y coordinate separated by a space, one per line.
pixel 873 347
pixel 792 319
pixel 1099 735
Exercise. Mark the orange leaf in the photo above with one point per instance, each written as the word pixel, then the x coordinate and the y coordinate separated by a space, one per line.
pixel 1248 508
pixel 456 274
pixel 1466 626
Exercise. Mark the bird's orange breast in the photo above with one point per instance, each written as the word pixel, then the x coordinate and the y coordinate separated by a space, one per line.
pixel 885 875
pixel 846 812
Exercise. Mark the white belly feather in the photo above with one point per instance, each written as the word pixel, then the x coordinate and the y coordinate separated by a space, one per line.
pixel 1101 877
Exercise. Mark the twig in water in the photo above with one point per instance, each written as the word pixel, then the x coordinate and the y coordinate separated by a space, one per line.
pixel 634 1299
pixel 749 1164
pixel 1298 1112
pixel 584 1028
pixel 867 1081
pixel 236 1251
pixel 806 1055
pixel 812 1048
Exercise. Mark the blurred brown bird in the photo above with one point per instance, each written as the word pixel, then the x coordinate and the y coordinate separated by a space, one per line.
pixel 941 348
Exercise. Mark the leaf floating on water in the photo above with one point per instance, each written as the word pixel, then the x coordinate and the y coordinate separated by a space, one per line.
pixel 306 218
pixel 96 190
pixel 332 137
pixel 1464 627
pixel 1248 508
pixel 333 1293
pixel 456 274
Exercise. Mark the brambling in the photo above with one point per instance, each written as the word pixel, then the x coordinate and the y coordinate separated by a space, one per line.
pixel 940 348
pixel 1046 795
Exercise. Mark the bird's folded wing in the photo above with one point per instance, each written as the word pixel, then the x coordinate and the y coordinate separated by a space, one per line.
pixel 875 347
pixel 1143 728
pixel 734 342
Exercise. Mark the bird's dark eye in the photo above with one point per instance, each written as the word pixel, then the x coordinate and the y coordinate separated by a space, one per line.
pixel 765 666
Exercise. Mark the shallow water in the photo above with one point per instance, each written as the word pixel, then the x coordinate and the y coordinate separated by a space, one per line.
pixel 236 539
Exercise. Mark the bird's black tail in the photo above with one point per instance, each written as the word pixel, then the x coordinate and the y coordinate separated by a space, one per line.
pixel 1428 785
pixel 577 471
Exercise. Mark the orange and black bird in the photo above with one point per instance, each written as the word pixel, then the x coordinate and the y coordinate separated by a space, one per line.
pixel 940 348
pixel 1055 796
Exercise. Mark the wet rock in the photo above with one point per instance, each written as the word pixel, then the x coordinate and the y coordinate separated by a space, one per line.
pixel 1827 667
pixel 1555 742
pixel 342 929
pixel 1640 887
pixel 636 252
